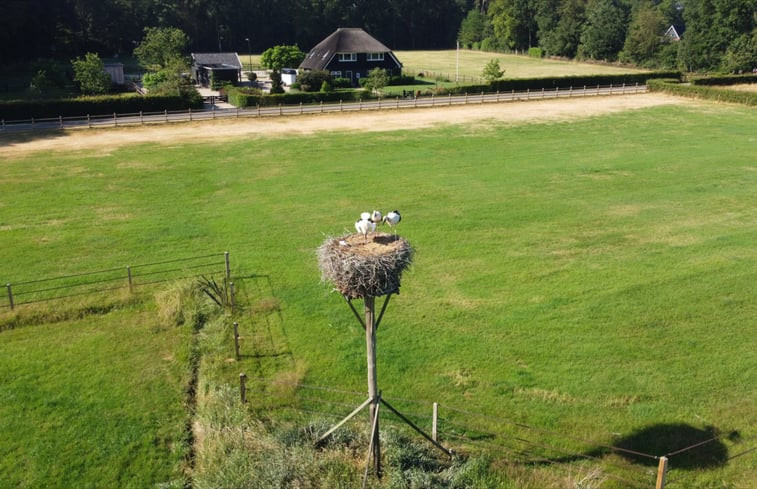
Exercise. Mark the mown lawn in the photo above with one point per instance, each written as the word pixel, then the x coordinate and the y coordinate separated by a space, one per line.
pixel 594 277
pixel 96 402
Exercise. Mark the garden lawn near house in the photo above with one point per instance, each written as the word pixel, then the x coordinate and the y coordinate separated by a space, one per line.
pixel 591 274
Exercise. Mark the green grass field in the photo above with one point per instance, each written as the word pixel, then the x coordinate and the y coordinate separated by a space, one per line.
pixel 593 277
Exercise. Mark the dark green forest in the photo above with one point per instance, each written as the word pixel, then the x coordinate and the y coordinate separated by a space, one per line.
pixel 716 35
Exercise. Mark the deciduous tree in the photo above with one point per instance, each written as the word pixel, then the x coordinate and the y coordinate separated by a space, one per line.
pixel 89 72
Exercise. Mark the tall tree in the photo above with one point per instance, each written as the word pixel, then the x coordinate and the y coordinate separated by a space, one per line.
pixel 565 37
pixel 645 37
pixel 513 22
pixel 604 33
pixel 89 73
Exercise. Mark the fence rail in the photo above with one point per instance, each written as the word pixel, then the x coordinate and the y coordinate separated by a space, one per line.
pixel 409 102
pixel 120 278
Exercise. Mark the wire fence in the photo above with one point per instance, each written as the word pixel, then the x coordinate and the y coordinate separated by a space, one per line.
pixel 125 278
pixel 410 101
pixel 502 437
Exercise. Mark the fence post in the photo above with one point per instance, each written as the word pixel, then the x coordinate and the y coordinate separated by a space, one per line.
pixel 300 108
pixel 360 103
pixel 10 295
pixel 258 107
pixel 89 122
pixel 115 120
pixel 466 98
pixel 398 102
pixel 435 422
pixel 3 125
pixel 236 340
pixel 482 96
pixel 662 470
pixel 280 110
pixel 131 284
pixel 190 114
pixel 321 106
pixel 227 267
pixel 165 112
pixel 213 110
pixel 497 95
pixel 233 297
pixel 379 103
pixel 60 121
pixel 141 118
pixel 557 92
pixel 243 387
pixel 341 108
pixel 432 100
pixel 32 123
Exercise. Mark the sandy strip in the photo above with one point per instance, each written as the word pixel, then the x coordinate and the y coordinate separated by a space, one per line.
pixel 375 121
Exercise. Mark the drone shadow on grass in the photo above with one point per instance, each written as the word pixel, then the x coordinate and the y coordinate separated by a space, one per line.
pixel 686 447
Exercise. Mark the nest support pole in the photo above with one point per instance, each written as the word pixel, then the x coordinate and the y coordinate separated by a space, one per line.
pixel 370 324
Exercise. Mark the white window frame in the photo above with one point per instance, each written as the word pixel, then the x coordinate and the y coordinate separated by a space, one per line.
pixel 375 56
pixel 336 74
pixel 347 57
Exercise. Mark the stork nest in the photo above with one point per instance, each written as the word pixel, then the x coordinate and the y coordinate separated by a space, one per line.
pixel 358 268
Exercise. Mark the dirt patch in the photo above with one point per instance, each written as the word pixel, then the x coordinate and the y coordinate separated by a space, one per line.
pixel 105 140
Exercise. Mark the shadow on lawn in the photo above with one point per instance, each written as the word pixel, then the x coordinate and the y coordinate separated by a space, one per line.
pixel 10 138
pixel 685 446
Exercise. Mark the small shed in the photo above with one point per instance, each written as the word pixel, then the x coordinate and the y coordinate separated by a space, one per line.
pixel 116 72
pixel 207 67
pixel 288 76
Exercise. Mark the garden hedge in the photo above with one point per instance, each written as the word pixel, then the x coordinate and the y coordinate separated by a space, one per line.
pixel 97 105
pixel 674 87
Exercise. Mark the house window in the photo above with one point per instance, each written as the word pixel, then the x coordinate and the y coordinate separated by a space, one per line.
pixel 336 74
pixel 375 56
pixel 347 56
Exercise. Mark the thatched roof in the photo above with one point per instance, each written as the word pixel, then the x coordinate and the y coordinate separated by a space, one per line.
pixel 343 40
pixel 358 268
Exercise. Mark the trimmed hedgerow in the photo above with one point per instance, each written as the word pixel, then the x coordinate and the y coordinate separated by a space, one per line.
pixel 673 87
pixel 239 98
pixel 723 80
pixel 521 84
pixel 96 105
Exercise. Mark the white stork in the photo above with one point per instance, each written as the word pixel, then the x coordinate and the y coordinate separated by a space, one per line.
pixel 364 225
pixel 392 219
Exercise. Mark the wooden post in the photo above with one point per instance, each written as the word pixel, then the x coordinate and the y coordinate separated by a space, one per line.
pixel 131 283
pixel 243 387
pixel 190 114
pixel 60 121
pixel 662 470
pixel 141 118
pixel 233 298
pixel 434 422
pixel 236 340
pixel 89 121
pixel 370 344
pixel 226 261
pixel 115 120
pixel 10 295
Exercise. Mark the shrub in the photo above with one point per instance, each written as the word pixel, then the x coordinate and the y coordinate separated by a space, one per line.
pixel 326 86
pixel 252 76
pixel 312 81
pixel 536 52
pixel 401 80
pixel 341 83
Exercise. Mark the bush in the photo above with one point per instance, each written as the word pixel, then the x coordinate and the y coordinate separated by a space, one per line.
pixel 326 86
pixel 252 76
pixel 401 80
pixel 536 52
pixel 312 81
pixel 341 83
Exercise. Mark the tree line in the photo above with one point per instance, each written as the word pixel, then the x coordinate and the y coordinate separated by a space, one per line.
pixel 716 34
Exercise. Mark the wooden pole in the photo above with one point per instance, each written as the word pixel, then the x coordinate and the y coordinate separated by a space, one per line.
pixel 370 344
pixel 10 295
pixel 131 282
pixel 662 470
pixel 228 268
pixel 434 422
pixel 236 340
pixel 243 387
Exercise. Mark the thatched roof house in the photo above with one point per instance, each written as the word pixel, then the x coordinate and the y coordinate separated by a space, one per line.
pixel 351 53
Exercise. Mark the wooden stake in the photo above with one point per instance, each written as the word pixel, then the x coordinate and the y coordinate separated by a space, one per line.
pixel 662 470
pixel 434 422
pixel 236 340
pixel 243 387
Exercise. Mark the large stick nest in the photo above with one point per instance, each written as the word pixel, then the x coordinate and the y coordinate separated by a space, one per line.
pixel 360 268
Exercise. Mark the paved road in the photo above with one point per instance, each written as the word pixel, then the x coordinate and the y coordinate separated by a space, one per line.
pixel 118 120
